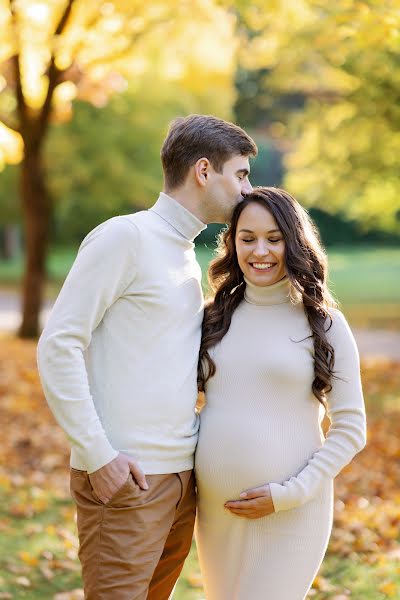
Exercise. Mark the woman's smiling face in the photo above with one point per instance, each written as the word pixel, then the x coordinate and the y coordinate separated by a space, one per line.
pixel 260 246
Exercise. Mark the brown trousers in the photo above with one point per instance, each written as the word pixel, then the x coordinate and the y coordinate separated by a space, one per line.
pixel 134 547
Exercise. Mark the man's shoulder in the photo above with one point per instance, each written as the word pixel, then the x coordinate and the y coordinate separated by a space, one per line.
pixel 122 228
pixel 139 218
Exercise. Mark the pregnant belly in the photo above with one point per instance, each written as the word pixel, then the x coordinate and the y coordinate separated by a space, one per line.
pixel 234 454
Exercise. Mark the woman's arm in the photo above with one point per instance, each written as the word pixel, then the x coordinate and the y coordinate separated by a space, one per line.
pixel 347 432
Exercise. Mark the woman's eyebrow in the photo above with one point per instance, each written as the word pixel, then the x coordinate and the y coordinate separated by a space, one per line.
pixel 251 231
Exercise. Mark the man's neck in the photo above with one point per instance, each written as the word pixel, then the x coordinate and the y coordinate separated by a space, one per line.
pixel 188 200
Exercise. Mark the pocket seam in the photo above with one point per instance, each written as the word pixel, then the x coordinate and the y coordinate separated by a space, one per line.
pixel 77 472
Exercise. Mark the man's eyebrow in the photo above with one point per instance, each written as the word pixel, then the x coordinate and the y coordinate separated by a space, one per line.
pixel 244 172
pixel 251 231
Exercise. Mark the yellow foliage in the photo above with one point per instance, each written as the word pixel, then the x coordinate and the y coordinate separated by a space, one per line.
pixel 389 589
pixel 27 558
pixel 11 146
pixel 341 58
pixel 102 49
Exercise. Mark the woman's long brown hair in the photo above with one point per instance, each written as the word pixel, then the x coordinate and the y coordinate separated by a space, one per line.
pixel 306 267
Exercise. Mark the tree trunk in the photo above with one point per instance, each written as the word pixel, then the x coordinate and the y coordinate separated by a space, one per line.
pixel 37 212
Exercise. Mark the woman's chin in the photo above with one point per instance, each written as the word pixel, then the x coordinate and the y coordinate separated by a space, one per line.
pixel 262 278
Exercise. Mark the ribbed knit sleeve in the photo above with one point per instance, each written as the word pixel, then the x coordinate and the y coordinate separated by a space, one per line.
pixel 104 267
pixel 347 432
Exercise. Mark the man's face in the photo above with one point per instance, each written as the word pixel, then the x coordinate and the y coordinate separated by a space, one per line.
pixel 226 189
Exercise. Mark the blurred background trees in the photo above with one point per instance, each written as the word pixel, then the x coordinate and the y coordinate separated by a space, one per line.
pixel 57 53
pixel 327 91
pixel 88 87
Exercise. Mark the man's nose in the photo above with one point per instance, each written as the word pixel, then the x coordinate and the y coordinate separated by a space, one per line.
pixel 247 188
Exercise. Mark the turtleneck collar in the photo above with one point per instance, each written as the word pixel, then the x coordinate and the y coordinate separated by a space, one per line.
pixel 268 295
pixel 178 216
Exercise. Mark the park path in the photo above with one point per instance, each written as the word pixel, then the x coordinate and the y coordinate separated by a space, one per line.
pixel 372 343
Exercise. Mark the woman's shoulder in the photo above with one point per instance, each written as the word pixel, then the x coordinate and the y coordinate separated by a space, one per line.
pixel 337 328
pixel 336 317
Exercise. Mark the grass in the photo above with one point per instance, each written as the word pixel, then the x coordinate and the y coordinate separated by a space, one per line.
pixel 366 276
pixel 34 552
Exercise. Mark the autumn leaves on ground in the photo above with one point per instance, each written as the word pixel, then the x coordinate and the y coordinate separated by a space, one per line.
pixel 38 543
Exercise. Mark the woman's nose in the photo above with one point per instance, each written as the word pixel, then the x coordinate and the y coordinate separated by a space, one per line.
pixel 261 249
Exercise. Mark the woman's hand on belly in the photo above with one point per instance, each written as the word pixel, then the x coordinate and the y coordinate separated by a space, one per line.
pixel 253 504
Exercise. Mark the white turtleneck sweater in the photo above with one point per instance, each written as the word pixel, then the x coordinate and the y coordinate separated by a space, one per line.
pixel 263 384
pixel 261 425
pixel 118 356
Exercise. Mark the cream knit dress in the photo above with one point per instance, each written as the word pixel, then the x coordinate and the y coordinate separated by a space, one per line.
pixel 261 424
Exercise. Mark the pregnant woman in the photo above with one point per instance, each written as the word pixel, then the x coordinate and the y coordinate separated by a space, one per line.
pixel 275 355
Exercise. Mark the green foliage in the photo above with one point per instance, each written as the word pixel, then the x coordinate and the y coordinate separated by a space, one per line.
pixel 171 58
pixel 267 167
pixel 107 162
pixel 327 78
pixel 317 81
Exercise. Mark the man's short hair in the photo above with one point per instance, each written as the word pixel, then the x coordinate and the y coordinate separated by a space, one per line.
pixel 197 136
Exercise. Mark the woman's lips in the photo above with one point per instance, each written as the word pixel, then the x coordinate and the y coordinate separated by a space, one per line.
pixel 260 266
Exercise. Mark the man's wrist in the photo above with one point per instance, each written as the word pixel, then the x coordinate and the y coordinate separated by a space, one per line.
pixel 97 456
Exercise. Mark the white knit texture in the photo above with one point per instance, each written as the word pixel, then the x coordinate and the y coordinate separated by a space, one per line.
pixel 118 356
pixel 261 424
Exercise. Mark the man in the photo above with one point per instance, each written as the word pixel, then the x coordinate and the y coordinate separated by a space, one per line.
pixel 118 363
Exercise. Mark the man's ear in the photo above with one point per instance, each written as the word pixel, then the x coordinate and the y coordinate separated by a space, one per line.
pixel 202 171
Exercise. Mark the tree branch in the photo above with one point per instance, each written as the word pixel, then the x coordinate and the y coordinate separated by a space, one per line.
pixel 15 65
pixel 64 18
pixel 53 73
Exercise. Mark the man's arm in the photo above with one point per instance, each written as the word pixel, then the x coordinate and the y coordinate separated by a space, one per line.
pixel 104 267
